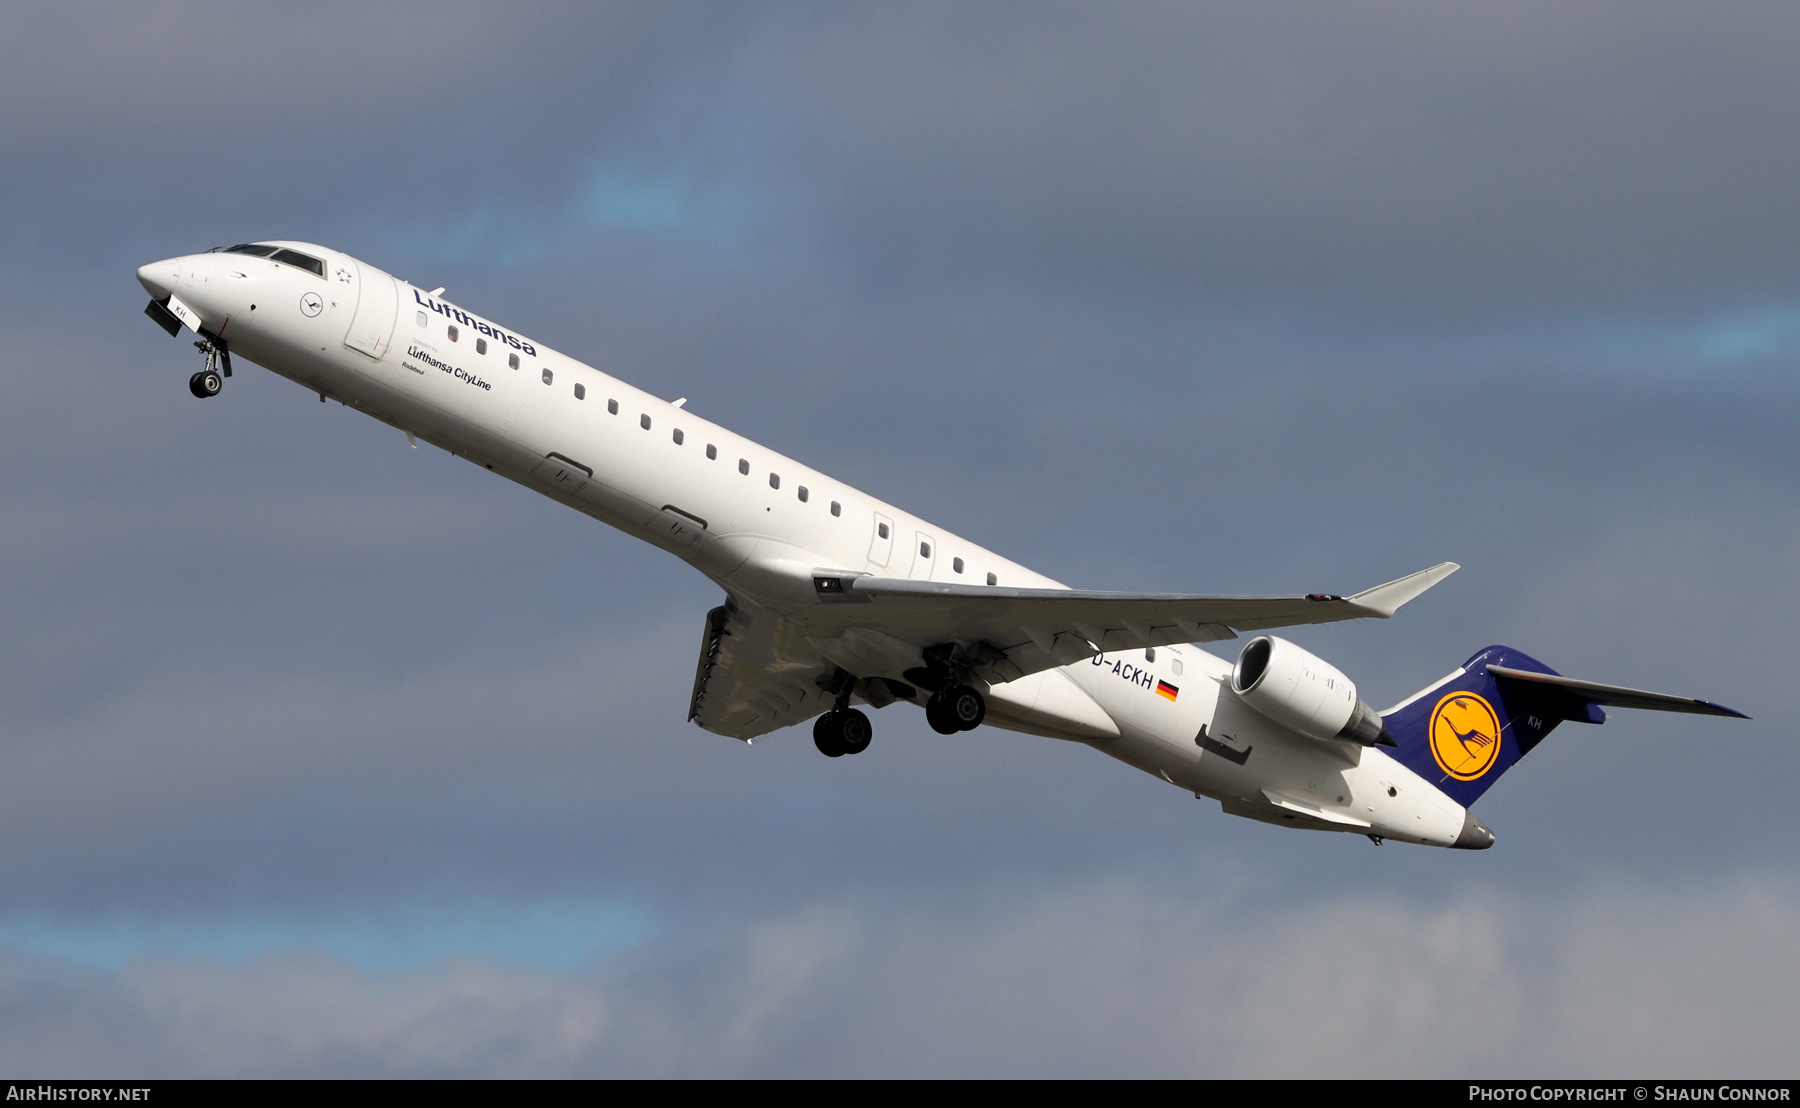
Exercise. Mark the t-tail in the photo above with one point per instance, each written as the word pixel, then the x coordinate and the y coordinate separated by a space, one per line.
pixel 1466 730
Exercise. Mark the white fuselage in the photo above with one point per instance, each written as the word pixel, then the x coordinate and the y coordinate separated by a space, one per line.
pixel 756 522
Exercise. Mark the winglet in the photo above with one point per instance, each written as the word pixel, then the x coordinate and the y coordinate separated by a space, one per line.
pixel 1385 600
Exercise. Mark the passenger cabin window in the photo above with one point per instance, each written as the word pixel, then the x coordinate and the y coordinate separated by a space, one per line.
pixel 802 491
pixel 612 407
pixel 644 421
pixel 774 480
pixel 512 360
pixel 452 332
pixel 1150 654
pixel 481 346
pixel 581 392
pixel 956 564
pixel 992 580
pixel 744 466
pixel 548 376
pixel 1175 664
pixel 423 322
pixel 712 452
pixel 679 436
pixel 836 508
pixel 300 261
pixel 253 250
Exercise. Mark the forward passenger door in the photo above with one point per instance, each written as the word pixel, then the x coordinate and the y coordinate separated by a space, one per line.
pixel 377 306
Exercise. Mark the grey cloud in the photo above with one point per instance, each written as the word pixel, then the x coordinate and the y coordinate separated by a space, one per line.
pixel 1398 160
pixel 1113 978
pixel 1480 162
pixel 223 115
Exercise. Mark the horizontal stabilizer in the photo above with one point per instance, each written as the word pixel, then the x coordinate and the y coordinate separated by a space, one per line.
pixel 1615 696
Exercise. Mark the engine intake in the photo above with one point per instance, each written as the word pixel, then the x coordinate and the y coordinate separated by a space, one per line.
pixel 1304 693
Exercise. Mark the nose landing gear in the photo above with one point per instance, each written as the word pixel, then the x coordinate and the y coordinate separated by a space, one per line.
pixel 206 383
pixel 209 381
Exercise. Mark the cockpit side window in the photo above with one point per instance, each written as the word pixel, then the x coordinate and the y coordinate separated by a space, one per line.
pixel 301 261
pixel 253 250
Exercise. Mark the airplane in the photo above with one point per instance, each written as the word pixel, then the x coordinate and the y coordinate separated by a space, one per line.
pixel 834 599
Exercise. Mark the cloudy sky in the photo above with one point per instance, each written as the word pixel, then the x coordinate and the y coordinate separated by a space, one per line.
pixel 324 756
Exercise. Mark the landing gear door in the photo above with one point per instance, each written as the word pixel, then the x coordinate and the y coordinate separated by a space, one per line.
pixel 377 305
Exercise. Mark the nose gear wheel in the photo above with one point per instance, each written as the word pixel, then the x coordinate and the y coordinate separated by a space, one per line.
pixel 210 380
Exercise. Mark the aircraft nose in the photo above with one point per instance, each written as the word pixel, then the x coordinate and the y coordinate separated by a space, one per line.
pixel 1475 834
pixel 159 278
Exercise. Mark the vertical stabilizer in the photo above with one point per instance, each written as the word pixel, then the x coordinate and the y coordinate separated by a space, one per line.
pixel 1465 731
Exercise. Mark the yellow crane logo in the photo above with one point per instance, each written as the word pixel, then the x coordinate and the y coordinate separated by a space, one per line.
pixel 1465 735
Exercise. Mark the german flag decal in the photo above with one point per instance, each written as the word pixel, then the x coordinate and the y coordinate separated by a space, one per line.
pixel 1166 690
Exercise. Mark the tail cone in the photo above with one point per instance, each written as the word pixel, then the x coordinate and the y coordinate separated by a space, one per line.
pixel 1475 834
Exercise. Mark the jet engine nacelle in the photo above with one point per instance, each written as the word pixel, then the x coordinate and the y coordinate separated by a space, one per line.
pixel 1304 693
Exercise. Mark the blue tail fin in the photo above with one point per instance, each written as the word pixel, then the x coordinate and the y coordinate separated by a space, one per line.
pixel 1465 731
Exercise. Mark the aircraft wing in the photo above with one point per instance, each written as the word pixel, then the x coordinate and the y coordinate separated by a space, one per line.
pixel 759 671
pixel 756 674
pixel 1027 630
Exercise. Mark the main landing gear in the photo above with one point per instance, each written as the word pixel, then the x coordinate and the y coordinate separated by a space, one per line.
pixel 211 380
pixel 842 731
pixel 954 708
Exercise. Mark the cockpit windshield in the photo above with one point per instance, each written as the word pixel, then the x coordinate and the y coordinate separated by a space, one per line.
pixel 280 254
pixel 304 261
